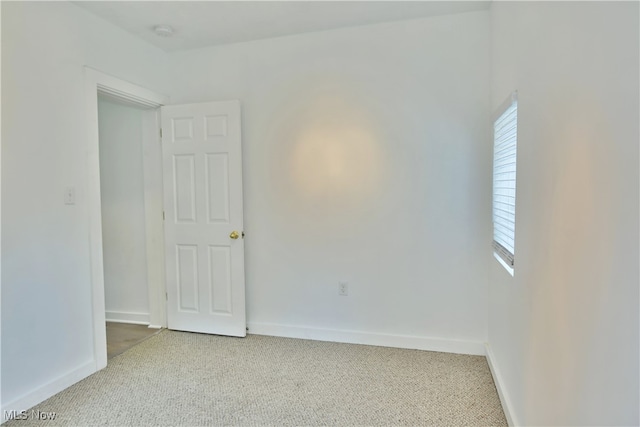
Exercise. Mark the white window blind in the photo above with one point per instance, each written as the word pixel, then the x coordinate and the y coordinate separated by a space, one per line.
pixel 505 138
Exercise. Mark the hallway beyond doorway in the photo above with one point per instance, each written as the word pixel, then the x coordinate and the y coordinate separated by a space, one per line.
pixel 122 336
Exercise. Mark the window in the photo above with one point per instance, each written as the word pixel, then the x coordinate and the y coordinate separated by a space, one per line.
pixel 505 138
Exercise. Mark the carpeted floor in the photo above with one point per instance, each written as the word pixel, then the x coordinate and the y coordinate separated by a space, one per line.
pixel 177 378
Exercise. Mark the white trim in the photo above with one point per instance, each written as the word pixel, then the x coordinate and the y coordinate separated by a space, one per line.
pixel 153 210
pixel 40 394
pixel 95 221
pixel 507 406
pixel 368 338
pixel 125 317
pixel 125 91
pixel 504 264
pixel 513 97
pixel 95 82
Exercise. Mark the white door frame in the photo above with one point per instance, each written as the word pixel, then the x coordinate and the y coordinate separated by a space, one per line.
pixel 97 82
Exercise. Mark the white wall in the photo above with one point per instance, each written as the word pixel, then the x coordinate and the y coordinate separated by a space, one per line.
pixel 123 212
pixel 366 159
pixel 46 290
pixel 563 332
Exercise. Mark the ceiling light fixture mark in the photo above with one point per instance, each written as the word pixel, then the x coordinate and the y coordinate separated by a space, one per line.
pixel 163 30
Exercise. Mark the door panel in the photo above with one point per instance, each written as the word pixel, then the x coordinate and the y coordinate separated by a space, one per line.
pixel 184 183
pixel 203 206
pixel 217 170
pixel 220 279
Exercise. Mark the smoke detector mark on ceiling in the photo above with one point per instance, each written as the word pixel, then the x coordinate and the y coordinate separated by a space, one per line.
pixel 163 30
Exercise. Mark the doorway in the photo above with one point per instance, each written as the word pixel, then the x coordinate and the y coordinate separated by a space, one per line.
pixel 123 212
pixel 202 160
pixel 123 224
pixel 144 105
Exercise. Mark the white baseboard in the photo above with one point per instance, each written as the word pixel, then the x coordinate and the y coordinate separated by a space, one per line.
pixel 368 338
pixel 507 406
pixel 124 317
pixel 47 390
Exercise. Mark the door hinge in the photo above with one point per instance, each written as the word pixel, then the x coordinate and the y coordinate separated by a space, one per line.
pixel 166 296
pixel 163 215
pixel 160 132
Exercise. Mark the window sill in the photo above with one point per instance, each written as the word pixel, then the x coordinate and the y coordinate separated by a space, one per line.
pixel 504 264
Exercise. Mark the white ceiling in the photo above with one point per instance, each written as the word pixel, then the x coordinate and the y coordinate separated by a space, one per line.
pixel 206 23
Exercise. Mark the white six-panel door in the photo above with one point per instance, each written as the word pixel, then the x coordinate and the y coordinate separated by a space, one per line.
pixel 204 243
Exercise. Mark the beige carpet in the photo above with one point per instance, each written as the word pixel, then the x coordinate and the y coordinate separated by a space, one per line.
pixel 177 378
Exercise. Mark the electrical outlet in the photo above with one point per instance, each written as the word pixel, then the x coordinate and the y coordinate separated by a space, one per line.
pixel 343 289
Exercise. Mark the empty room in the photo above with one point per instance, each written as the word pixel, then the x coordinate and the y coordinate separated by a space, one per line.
pixel 320 213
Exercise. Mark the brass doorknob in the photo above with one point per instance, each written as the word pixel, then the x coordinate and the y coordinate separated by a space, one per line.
pixel 234 235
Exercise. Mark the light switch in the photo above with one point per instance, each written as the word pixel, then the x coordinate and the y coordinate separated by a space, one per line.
pixel 70 196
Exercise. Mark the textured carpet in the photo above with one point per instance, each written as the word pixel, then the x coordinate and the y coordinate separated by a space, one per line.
pixel 177 378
